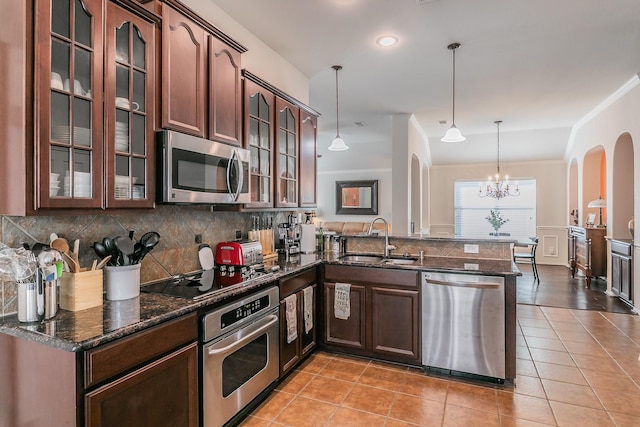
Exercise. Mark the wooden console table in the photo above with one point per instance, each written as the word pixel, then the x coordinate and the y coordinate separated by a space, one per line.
pixel 588 251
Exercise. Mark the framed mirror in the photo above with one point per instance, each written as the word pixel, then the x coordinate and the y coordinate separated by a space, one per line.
pixel 357 197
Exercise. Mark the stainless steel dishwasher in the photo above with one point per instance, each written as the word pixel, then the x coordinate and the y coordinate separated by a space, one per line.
pixel 463 323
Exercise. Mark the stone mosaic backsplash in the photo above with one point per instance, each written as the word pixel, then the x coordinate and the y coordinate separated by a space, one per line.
pixel 176 253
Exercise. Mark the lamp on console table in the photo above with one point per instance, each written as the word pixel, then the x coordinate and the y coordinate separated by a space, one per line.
pixel 598 203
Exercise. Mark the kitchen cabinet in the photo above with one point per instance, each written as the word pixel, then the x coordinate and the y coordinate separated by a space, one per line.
pixel 79 74
pixel 308 159
pixel 259 113
pixel 286 156
pixel 147 378
pixel 292 353
pixel 622 269
pixel 281 134
pixel 201 84
pixel 588 251
pixel 384 321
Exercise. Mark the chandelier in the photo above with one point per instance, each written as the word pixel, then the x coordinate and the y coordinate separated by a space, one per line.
pixel 499 188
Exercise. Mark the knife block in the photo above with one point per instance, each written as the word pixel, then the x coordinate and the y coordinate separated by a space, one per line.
pixel 79 291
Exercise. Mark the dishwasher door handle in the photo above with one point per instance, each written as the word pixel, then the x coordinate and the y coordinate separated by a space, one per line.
pixel 464 284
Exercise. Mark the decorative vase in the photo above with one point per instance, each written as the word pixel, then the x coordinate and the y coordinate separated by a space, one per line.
pixel 631 226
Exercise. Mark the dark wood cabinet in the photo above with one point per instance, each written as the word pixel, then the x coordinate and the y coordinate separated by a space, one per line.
pixel 225 93
pixel 259 116
pixel 395 322
pixel 184 73
pixel 201 84
pixel 291 353
pixel 164 392
pixel 588 251
pixel 622 269
pixel 308 159
pixel 89 92
pixel 147 378
pixel 384 322
pixel 286 154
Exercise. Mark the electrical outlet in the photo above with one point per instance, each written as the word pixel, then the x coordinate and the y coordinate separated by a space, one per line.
pixel 471 249
pixel 198 238
pixel 238 234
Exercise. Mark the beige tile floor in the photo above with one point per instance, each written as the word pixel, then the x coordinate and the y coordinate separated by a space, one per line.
pixel 574 368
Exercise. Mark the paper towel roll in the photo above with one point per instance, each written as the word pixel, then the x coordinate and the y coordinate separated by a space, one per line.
pixel 308 238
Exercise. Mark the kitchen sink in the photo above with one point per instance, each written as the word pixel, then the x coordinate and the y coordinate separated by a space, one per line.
pixel 400 261
pixel 361 258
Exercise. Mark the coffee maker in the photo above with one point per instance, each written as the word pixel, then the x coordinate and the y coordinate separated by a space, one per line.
pixel 289 234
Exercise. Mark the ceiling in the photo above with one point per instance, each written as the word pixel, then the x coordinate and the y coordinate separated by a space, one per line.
pixel 540 66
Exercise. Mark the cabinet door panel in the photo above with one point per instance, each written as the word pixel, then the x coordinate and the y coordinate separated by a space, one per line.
pixel 349 332
pixel 395 322
pixel 68 93
pixel 308 339
pixel 286 156
pixel 129 110
pixel 308 134
pixel 184 73
pixel 289 352
pixel 164 392
pixel 225 93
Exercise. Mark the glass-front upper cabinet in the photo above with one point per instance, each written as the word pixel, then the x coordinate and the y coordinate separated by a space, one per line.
pixel 259 104
pixel 286 154
pixel 68 76
pixel 129 100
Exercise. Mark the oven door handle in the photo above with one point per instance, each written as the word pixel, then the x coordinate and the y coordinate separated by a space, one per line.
pixel 252 332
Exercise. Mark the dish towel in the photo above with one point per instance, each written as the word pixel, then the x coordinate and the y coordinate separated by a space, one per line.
pixel 308 309
pixel 342 301
pixel 290 303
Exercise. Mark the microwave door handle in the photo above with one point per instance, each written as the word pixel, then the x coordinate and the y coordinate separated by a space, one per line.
pixel 236 155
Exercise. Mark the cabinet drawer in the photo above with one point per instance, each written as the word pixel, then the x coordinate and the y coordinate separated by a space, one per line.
pixel 293 284
pixel 369 275
pixel 112 359
pixel 621 248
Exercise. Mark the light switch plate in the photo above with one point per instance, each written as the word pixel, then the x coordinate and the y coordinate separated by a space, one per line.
pixel 471 249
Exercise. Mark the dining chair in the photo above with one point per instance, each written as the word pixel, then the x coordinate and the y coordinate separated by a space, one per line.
pixel 528 256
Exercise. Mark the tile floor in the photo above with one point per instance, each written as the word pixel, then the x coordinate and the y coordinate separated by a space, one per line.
pixel 574 368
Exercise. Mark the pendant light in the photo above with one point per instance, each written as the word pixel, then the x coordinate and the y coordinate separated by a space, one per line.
pixel 338 143
pixel 453 133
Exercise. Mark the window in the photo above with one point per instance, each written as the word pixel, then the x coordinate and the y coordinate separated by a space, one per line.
pixel 471 211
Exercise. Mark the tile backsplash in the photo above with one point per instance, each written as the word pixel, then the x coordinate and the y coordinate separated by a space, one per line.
pixel 176 253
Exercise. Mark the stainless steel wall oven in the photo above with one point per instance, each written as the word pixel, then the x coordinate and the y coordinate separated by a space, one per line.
pixel 239 354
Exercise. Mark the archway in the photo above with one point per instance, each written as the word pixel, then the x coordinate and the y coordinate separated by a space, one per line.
pixel 623 186
pixel 594 182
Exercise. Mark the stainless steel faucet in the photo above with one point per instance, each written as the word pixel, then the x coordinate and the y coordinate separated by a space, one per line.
pixel 387 246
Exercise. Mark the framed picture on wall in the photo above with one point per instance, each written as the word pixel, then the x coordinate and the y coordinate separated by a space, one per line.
pixel 591 218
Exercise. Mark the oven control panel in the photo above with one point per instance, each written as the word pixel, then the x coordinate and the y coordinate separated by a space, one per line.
pixel 228 317
pixel 231 317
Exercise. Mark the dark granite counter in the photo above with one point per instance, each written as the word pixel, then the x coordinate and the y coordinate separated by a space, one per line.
pixel 82 330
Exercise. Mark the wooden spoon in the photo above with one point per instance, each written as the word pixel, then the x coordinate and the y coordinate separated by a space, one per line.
pixel 103 262
pixel 73 265
pixel 61 245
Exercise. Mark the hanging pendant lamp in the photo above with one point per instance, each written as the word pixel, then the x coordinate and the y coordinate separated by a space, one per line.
pixel 453 133
pixel 338 143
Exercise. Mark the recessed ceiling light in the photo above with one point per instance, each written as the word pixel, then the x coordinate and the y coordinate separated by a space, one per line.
pixel 386 41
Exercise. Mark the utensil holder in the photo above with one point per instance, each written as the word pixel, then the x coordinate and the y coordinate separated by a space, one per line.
pixel 79 291
pixel 122 282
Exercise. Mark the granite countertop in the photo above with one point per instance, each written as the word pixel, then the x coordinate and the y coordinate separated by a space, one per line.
pixel 86 329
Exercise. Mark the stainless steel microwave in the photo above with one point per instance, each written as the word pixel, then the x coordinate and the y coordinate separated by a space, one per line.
pixel 197 170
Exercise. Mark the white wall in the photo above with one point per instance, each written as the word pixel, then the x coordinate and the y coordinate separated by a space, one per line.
pixel 552 216
pixel 259 59
pixel 617 115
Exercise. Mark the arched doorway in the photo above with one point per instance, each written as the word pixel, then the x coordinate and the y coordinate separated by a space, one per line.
pixel 622 187
pixel 573 193
pixel 594 182
pixel 416 196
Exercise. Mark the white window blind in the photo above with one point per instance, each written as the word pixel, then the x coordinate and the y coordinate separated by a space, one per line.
pixel 471 211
